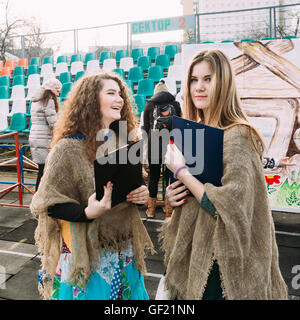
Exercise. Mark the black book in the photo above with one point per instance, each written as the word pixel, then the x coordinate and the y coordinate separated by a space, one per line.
pixel 123 167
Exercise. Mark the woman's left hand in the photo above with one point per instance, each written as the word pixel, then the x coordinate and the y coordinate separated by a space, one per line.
pixel 139 195
pixel 174 158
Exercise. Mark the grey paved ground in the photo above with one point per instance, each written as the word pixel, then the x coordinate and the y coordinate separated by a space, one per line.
pixel 19 261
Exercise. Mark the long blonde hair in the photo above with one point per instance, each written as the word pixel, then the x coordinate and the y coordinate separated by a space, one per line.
pixel 224 103
pixel 81 111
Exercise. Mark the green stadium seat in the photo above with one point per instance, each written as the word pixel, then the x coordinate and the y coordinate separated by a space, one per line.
pixel 27 130
pixel 247 40
pixel 32 69
pixel 206 42
pixel 153 52
pixel 171 50
pixel 90 56
pixel 105 55
pixel 289 37
pixel 79 74
pixel 140 101
pixel 75 57
pixel 226 41
pixel 135 74
pixel 4 92
pixel 136 53
pixel 28 113
pixel 129 85
pixel 155 73
pixel 66 88
pixel 121 54
pixel 120 72
pixel 35 61
pixel 19 71
pixel 267 39
pixel 146 87
pixel 62 59
pixel 65 77
pixel 48 59
pixel 18 123
pixel 144 62
pixel 18 80
pixel 163 60
pixel 5 81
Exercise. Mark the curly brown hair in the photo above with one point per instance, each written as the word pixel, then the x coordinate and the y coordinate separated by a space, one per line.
pixel 81 111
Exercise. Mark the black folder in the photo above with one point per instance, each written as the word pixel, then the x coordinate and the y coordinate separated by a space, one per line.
pixel 123 167
pixel 210 141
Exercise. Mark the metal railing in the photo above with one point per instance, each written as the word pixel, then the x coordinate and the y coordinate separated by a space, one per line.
pixel 212 26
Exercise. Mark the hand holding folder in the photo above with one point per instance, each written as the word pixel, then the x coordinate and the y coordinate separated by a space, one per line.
pixel 118 167
pixel 202 148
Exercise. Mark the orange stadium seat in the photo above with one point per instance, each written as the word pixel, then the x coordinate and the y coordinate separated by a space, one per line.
pixel 11 64
pixel 23 63
pixel 6 71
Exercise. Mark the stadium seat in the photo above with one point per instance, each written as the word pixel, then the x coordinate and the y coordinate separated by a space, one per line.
pixel 75 57
pixel 33 80
pixel 48 59
pixel 47 70
pixel 89 56
pixel 146 87
pixel 140 101
pixel 65 77
pixel 61 67
pixel 35 61
pixel 18 105
pixel 144 62
pixel 27 130
pixel 4 93
pixel 23 63
pixel 31 91
pixel 177 59
pixel 109 64
pixel 92 66
pixel 206 42
pixel 289 37
pixel 171 85
pixel 79 74
pixel 76 66
pixel 126 63
pixel 121 54
pixel 18 80
pixel 4 107
pixel 17 92
pixel 105 55
pixel 47 77
pixel 130 85
pixel 32 69
pixel 19 71
pixel 120 72
pixel 176 72
pixel 1 65
pixel 155 73
pixel 179 99
pixel 66 88
pixel 171 50
pixel 3 121
pixel 61 59
pixel 268 39
pixel 136 53
pixel 153 52
pixel 11 64
pixel 18 123
pixel 135 74
pixel 163 60
pixel 5 81
pixel 6 71
pixel 28 114
pixel 227 41
pixel 247 40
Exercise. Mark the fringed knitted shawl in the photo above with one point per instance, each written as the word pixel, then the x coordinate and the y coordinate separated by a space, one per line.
pixel 68 178
pixel 241 238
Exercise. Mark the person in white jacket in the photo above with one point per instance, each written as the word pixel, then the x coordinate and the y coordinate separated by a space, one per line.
pixel 44 110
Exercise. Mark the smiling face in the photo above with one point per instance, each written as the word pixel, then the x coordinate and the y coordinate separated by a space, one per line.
pixel 200 85
pixel 111 102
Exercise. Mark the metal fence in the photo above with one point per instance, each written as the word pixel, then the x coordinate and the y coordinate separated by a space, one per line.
pixel 255 23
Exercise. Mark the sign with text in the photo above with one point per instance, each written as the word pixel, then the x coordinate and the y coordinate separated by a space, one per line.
pixel 165 24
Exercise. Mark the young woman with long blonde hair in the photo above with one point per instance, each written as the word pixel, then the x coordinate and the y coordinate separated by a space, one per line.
pixel 220 243
pixel 89 250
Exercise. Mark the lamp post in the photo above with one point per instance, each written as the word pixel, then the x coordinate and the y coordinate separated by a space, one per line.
pixel 196 9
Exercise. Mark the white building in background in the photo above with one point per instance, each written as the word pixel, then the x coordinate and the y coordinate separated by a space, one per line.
pixel 233 26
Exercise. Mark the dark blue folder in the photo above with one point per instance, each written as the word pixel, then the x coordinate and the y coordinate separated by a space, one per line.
pixel 202 147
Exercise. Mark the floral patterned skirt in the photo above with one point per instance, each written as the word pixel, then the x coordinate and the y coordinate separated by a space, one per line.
pixel 116 278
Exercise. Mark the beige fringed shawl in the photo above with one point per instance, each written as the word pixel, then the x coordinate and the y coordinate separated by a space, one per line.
pixel 68 178
pixel 241 238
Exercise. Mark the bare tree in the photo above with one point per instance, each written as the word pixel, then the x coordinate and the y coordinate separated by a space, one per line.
pixel 8 29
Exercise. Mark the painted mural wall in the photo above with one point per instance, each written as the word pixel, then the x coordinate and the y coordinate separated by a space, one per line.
pixel 268 80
